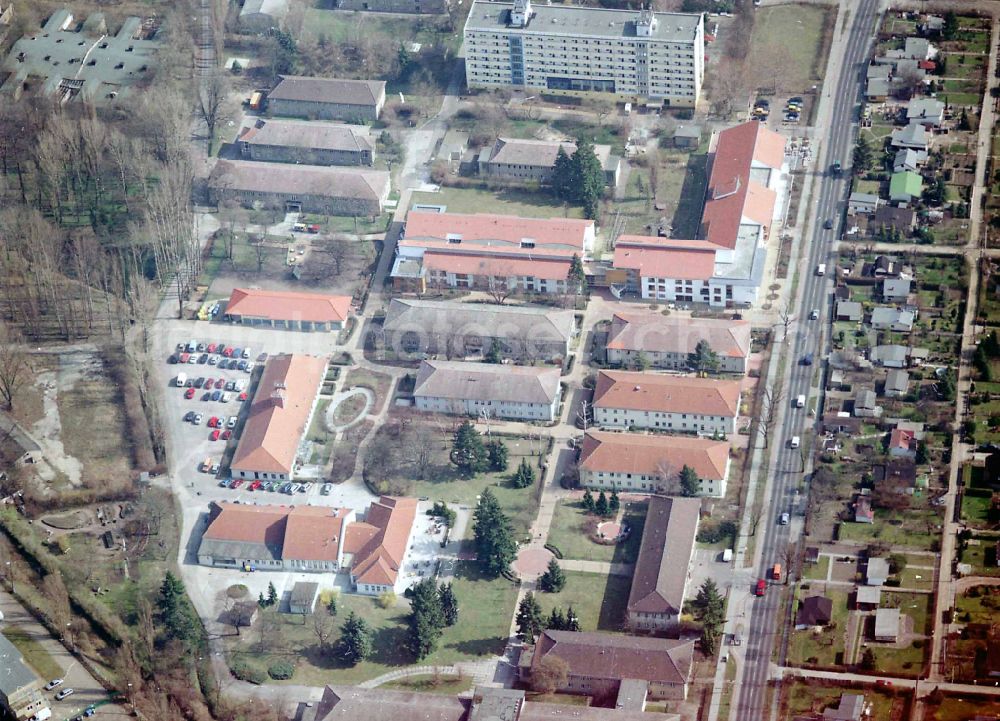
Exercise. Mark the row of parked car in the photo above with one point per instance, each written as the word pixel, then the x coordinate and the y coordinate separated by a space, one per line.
pixel 288 487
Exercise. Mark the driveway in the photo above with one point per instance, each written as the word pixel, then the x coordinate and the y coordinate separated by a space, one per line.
pixel 86 689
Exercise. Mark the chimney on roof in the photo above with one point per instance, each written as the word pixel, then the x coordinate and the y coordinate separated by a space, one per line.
pixel 278 395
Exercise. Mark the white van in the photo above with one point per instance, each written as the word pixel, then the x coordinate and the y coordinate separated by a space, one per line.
pixel 800 401
pixel 727 555
pixel 821 269
pixel 795 442
pixel 181 380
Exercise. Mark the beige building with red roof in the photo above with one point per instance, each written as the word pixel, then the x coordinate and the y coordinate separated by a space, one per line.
pixel 279 415
pixel 501 253
pixel 673 403
pixel 610 460
pixel 661 575
pixel 670 342
pixel 275 538
pixel 288 310
pixel 376 546
pixel 724 267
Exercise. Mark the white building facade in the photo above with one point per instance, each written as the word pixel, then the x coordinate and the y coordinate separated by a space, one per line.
pixel 564 49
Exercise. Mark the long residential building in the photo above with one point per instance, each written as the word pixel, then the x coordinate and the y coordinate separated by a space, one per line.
pixel 724 266
pixel 496 253
pixel 279 415
pixel 275 538
pixel 670 342
pixel 516 159
pixel 293 141
pixel 660 579
pixel 636 55
pixel 503 391
pixel 599 664
pixel 290 310
pixel 674 403
pixel 461 330
pixel 299 188
pixel 614 461
pixel 356 101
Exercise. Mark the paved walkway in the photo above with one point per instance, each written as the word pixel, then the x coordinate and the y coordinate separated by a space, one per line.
pixel 608 569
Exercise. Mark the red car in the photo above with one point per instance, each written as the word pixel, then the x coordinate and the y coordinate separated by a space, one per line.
pixel 254 486
pixel 759 590
pixel 220 384
pixel 237 483
pixel 189 393
pixel 227 351
pixel 243 396
pixel 226 434
pixel 211 348
pixel 312 229
pixel 209 382
pixel 882 682
pixel 212 421
pixel 185 357
pixel 214 436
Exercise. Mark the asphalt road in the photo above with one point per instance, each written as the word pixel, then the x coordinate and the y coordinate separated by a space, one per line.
pixel 766 627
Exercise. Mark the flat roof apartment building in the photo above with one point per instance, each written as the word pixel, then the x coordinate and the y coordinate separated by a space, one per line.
pixel 662 402
pixel 566 49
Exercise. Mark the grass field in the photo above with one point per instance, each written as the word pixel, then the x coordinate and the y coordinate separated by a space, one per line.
pixel 979 608
pixel 812 696
pixel 982 557
pixel 962 708
pixel 797 34
pixel 599 601
pixel 35 656
pixel 505 202
pixel 486 607
pixel 915 605
pixel 569 533
pixel 429 683
pixel 826 648
pixel 817 571
pixel 906 661
pixel 913 528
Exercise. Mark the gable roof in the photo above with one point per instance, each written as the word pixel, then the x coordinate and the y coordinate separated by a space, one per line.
pixel 496 321
pixel 734 193
pixel 306 533
pixel 300 134
pixel 328 90
pixel 288 305
pixel 913 135
pixel 616 657
pixel 378 543
pixel 905 183
pixel 666 258
pixel 484 233
pixel 814 611
pixel 319 180
pixel 278 414
pixel 653 332
pixel 649 455
pixel 537 153
pixel 661 570
pixel 15 674
pixel 487 382
pixel 351 703
pixel 667 393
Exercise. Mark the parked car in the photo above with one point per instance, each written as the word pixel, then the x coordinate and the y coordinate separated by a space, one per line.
pixel 185 357
pixel 206 396
pixel 197 419
pixel 212 360
pixel 189 416
pixel 231 423
pixel 226 397
pixel 785 518
pixel 53 683
pixel 203 358
pixel 254 486
pixel 226 434
pixel 206 465
pixel 200 348
pixel 242 365
pixel 761 587
pixel 216 395
pixel 64 693
pixel 199 381
pixel 215 469
pixel 243 396
pixel 189 393
pixel 249 368
pixel 237 483
pixel 172 359
pixel 211 347
pixel 213 436
pixel 245 353
pixel 220 383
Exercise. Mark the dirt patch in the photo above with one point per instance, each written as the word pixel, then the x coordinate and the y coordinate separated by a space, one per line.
pixel 380 383
pixel 345 452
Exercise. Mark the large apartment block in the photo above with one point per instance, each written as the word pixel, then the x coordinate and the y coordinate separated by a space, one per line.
pixel 565 49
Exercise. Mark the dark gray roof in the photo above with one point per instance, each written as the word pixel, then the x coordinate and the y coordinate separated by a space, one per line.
pixel 218 548
pixel 328 90
pixel 303 593
pixel 15 674
pixel 352 703
pixel 491 321
pixel 664 554
pixel 849 709
pixel 487 382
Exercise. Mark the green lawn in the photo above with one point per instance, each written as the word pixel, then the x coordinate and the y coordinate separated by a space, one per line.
pixel 531 204
pixel 599 601
pixel 976 510
pixel 826 648
pixel 816 571
pixel 812 696
pixel 429 683
pixel 570 533
pixel 915 605
pixel 796 33
pixel 909 578
pixel 961 98
pixel 906 661
pixel 486 607
pixel 913 528
pixel 35 656
pixel 982 558
pixel 981 607
pixel 964 707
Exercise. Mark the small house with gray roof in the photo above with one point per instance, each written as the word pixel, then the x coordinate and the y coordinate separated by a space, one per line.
pixel 261 15
pixel 521 160
pixel 20 688
pixel 317 143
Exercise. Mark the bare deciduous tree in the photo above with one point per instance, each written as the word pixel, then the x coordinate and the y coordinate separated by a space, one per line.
pixel 214 106
pixel 15 369
pixel 771 400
